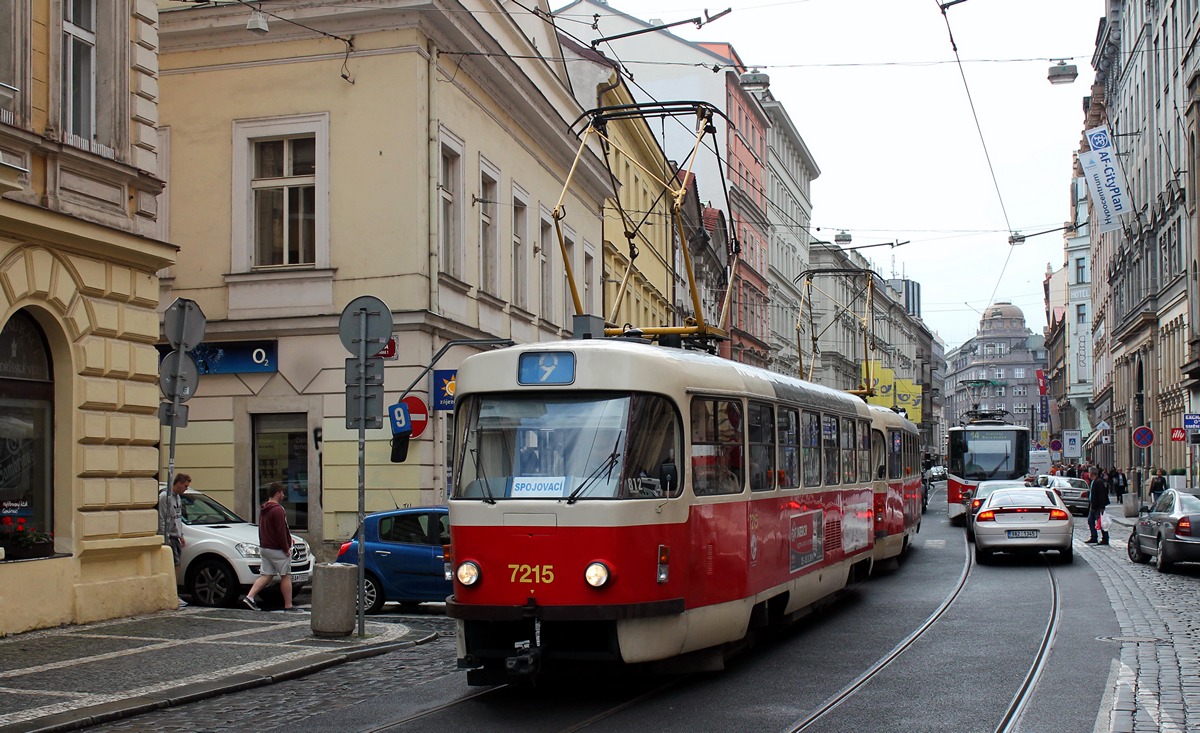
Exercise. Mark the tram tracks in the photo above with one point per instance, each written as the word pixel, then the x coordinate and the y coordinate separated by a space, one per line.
pixel 1012 715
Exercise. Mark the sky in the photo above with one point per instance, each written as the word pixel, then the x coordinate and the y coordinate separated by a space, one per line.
pixel 874 90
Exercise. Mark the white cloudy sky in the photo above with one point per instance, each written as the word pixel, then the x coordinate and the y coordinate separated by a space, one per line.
pixel 872 87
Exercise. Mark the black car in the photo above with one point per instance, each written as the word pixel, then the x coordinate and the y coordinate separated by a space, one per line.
pixel 1169 531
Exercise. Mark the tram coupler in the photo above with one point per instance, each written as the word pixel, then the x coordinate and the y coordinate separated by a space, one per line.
pixel 525 664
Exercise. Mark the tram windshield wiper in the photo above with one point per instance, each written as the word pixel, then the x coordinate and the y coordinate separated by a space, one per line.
pixel 487 489
pixel 606 468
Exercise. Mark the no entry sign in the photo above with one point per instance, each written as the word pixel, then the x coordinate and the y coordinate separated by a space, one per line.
pixel 418 414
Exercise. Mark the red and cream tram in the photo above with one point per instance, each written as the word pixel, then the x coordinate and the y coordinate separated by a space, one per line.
pixel 619 502
pixel 984 449
pixel 895 456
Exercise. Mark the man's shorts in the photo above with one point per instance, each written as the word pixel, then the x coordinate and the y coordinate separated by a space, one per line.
pixel 275 562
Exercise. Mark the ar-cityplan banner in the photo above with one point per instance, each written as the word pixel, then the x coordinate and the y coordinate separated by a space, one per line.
pixel 1105 182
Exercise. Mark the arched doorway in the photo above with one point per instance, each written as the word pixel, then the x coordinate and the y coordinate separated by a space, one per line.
pixel 26 424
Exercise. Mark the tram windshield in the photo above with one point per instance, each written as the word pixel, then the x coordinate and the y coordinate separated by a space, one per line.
pixel 600 446
pixel 984 455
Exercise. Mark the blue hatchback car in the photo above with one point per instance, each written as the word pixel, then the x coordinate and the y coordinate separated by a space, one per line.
pixel 404 561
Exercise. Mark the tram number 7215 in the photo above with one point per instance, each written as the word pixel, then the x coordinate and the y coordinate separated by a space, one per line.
pixel 532 574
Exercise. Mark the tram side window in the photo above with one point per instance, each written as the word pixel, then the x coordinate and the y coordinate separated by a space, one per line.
pixel 829 449
pixel 651 469
pixel 864 451
pixel 895 454
pixel 878 455
pixel 810 436
pixel 717 447
pixel 789 448
pixel 762 447
pixel 849 450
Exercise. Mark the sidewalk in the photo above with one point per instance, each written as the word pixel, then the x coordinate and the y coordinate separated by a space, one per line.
pixel 71 677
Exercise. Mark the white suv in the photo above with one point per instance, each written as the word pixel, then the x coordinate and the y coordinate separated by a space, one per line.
pixel 221 556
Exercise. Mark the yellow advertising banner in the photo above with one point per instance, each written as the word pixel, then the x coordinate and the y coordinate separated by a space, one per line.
pixel 893 392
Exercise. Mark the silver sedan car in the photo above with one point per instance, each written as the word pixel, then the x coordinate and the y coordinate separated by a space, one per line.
pixel 1023 520
pixel 1169 531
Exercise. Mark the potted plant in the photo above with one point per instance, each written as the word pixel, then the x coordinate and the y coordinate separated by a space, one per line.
pixel 1176 478
pixel 23 540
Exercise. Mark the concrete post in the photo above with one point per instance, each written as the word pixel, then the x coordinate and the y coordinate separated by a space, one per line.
pixel 334 594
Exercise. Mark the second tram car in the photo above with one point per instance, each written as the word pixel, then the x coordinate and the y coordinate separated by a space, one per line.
pixel 895 456
pixel 619 502
pixel 984 449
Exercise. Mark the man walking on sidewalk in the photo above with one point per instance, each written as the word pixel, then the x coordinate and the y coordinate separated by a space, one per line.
pixel 170 517
pixel 1097 502
pixel 275 544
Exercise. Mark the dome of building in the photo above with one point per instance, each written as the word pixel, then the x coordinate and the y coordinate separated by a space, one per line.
pixel 1002 315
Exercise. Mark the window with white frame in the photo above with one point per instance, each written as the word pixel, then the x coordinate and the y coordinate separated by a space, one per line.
pixel 520 248
pixel 1020 407
pixel 1018 373
pixel 489 225
pixel 589 264
pixel 1020 390
pixel 281 193
pixel 79 68
pixel 545 257
pixel 568 298
pixel 450 241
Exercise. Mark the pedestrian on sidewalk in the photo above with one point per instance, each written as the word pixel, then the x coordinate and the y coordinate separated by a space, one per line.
pixel 1121 486
pixel 275 544
pixel 170 517
pixel 1158 484
pixel 1097 502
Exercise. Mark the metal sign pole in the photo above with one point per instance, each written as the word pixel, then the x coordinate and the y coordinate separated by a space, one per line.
pixel 362 470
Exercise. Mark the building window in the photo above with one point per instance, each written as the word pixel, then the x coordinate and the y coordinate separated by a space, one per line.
pixel 450 244
pixel 545 257
pixel 568 298
pixel 489 226
pixel 1080 313
pixel 79 68
pixel 1080 270
pixel 281 454
pixel 520 249
pixel 285 199
pixel 27 429
pixel 281 193
pixel 13 44
pixel 1020 390
pixel 1018 372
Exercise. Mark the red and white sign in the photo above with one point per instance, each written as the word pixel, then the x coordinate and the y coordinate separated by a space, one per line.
pixel 418 414
pixel 1178 435
pixel 388 351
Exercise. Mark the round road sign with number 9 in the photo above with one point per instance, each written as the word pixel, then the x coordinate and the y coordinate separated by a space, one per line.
pixel 1143 436
pixel 418 414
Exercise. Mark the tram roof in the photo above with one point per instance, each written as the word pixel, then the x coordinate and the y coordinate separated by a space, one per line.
pixel 631 361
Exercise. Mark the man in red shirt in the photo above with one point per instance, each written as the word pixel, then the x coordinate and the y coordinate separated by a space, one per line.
pixel 275 544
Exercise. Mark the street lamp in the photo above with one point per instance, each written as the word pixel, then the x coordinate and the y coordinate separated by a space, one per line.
pixel 1062 73
pixel 842 238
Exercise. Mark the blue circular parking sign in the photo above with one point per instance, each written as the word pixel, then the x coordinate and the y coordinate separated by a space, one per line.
pixel 1143 437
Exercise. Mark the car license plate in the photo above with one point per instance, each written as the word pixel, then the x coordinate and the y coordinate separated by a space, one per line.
pixel 300 577
pixel 1019 534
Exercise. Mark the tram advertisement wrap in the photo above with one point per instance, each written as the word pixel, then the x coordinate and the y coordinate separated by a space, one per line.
pixel 806 539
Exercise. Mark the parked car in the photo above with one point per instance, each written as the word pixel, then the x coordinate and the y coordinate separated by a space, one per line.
pixel 1023 520
pixel 974 499
pixel 1075 492
pixel 1169 531
pixel 404 560
pixel 937 473
pixel 221 558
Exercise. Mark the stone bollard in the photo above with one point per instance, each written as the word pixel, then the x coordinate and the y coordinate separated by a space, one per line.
pixel 334 593
pixel 1129 505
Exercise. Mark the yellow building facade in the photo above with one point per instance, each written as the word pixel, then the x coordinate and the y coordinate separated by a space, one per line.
pixel 361 150
pixel 79 256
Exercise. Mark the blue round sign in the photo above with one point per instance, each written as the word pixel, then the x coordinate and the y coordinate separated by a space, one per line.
pixel 1056 444
pixel 1143 437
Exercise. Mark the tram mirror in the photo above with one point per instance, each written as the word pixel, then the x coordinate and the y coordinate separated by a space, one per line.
pixel 668 477
pixel 400 447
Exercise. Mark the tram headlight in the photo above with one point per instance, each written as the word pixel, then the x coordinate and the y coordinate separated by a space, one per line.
pixel 596 574
pixel 467 573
